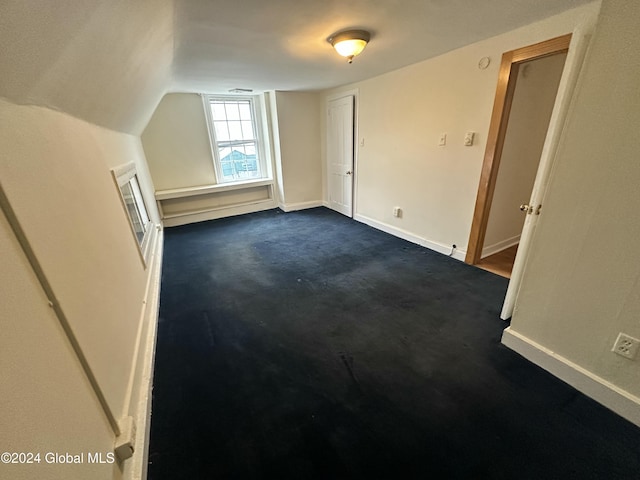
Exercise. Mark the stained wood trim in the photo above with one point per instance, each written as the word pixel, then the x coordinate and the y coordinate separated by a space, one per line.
pixel 497 129
pixel 542 49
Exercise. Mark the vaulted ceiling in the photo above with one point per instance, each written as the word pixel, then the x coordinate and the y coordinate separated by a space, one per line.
pixel 110 61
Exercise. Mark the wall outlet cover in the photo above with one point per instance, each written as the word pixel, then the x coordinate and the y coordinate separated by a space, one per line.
pixel 626 346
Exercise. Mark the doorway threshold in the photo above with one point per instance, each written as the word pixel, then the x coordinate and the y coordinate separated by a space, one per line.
pixel 500 263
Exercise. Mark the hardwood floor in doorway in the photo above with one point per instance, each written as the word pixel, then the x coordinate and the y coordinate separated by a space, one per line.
pixel 500 263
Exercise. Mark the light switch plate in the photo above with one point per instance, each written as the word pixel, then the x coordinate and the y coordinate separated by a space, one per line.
pixel 468 139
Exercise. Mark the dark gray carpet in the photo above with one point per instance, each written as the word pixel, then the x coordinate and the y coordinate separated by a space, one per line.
pixel 306 345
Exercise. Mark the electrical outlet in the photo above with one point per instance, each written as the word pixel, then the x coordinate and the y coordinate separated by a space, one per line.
pixel 626 346
pixel 397 212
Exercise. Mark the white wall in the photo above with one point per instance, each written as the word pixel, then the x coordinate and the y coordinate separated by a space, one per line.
pixel 533 101
pixel 178 150
pixel 401 115
pixel 176 142
pixel 582 279
pixel 298 117
pixel 47 404
pixel 80 80
pixel 55 171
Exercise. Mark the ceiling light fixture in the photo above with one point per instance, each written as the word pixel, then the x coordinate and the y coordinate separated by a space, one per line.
pixel 350 42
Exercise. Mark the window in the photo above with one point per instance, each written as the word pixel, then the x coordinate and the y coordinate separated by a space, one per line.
pixel 235 138
pixel 127 181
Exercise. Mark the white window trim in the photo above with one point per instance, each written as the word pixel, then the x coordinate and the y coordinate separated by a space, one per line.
pixel 121 176
pixel 258 129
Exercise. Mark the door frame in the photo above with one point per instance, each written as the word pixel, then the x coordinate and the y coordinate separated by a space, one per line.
pixel 356 150
pixel 507 77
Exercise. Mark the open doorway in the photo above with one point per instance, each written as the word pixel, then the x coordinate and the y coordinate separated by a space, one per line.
pixel 533 100
pixel 525 97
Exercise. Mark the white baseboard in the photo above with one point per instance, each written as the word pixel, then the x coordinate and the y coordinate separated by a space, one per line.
pixel 139 401
pixel 292 207
pixel 458 254
pixel 614 398
pixel 219 212
pixel 499 246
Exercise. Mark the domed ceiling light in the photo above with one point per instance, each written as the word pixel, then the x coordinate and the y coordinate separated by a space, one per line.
pixel 350 42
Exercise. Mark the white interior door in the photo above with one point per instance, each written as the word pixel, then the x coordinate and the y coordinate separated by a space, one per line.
pixel 575 57
pixel 340 154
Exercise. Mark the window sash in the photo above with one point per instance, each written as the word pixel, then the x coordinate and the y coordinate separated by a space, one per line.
pixel 235 159
pixel 126 179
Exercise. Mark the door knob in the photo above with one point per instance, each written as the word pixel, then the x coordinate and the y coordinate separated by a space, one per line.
pixel 531 209
pixel 349 172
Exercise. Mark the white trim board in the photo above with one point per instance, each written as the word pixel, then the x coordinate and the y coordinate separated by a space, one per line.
pixel 614 398
pixel 207 189
pixel 218 212
pixel 499 246
pixel 292 207
pixel 458 254
pixel 139 392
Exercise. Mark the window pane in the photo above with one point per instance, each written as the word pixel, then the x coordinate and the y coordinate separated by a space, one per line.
pixel 137 195
pixel 247 130
pixel 221 131
pixel 239 162
pixel 132 210
pixel 250 149
pixel 235 131
pixel 228 172
pixel 217 110
pixel 245 111
pixel 233 113
pixel 236 138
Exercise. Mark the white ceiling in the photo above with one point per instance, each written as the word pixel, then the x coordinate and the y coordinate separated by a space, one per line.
pixel 281 44
pixel 110 61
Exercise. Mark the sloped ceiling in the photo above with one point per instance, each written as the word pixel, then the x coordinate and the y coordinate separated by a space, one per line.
pixel 110 61
pixel 281 44
pixel 105 61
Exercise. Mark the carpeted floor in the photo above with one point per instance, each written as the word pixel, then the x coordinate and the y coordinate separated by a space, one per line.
pixel 306 345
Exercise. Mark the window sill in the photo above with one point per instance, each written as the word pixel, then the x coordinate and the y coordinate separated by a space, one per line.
pixel 205 189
